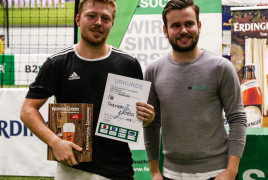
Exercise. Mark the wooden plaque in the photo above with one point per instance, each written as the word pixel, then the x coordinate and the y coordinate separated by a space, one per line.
pixel 80 118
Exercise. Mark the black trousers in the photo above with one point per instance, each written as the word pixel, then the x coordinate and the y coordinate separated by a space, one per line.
pixel 236 178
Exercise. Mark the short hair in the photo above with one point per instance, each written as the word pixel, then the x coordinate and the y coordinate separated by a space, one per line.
pixel 1 35
pixel 83 3
pixel 179 4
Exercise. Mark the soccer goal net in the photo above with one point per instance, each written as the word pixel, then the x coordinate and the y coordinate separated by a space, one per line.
pixel 31 31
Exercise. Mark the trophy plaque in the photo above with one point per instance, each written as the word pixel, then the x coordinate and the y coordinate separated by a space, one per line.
pixel 72 122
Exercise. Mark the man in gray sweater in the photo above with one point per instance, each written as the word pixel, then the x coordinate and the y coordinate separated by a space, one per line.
pixel 190 89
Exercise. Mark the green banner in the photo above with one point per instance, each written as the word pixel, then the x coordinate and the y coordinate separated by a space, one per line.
pixel 157 6
pixel 253 164
pixel 7 70
pixel 125 11
pixel 140 165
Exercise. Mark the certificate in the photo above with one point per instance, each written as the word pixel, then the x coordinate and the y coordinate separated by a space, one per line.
pixel 118 118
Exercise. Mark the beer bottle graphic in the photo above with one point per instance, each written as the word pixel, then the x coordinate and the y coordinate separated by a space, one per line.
pixel 252 97
pixel 59 132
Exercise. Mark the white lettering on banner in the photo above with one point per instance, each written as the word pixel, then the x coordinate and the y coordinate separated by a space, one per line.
pixel 153 3
pixel 250 26
pixel 141 169
pixel 247 173
pixel 2 68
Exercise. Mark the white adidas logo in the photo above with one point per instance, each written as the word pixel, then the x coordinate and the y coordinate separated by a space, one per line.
pixel 74 76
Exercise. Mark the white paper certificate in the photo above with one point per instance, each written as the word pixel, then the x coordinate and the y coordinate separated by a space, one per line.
pixel 118 118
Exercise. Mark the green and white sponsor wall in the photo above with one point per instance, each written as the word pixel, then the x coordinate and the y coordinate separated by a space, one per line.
pixel 20 69
pixel 141 36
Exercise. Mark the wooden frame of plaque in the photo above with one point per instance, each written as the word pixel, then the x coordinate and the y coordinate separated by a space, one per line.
pixel 80 117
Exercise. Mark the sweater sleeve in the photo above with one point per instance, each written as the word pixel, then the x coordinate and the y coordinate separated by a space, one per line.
pixel 231 98
pixel 152 131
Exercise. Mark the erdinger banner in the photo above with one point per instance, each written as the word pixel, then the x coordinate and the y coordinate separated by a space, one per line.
pixel 249 32
pixel 21 152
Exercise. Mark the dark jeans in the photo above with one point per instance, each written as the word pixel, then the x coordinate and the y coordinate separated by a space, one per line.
pixel 236 178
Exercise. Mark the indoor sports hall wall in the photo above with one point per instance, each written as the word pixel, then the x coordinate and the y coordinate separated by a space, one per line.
pixel 143 37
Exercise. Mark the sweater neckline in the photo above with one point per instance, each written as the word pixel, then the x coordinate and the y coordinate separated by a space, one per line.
pixel 186 63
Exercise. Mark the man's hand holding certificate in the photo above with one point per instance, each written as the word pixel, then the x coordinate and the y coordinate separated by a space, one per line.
pixel 124 108
pixel 145 112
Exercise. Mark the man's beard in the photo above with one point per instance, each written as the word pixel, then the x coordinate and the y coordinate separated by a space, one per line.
pixel 181 49
pixel 93 42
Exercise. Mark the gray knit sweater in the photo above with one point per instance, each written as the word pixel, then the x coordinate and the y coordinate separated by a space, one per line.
pixel 189 99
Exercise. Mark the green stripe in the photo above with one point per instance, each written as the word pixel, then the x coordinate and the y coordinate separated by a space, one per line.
pixel 125 11
pixel 140 165
pixel 157 6
pixel 209 6
pixel 7 78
